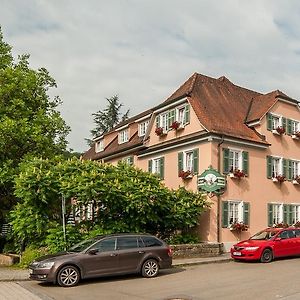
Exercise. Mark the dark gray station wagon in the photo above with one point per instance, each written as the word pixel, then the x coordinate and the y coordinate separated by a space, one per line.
pixel 102 256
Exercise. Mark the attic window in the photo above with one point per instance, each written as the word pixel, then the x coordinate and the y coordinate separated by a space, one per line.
pixel 123 136
pixel 99 146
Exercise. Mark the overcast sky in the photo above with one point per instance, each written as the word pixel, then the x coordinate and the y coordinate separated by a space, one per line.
pixel 143 50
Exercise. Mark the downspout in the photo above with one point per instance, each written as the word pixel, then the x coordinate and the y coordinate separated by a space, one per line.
pixel 218 196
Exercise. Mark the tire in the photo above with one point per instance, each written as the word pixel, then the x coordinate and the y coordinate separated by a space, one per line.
pixel 267 256
pixel 150 268
pixel 68 276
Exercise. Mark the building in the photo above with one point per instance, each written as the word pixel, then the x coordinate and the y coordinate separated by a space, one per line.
pixel 251 138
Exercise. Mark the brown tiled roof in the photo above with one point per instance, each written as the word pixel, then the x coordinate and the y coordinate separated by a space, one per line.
pixel 261 104
pixel 220 106
pixel 114 147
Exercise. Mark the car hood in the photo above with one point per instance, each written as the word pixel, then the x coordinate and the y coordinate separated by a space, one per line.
pixel 56 256
pixel 249 243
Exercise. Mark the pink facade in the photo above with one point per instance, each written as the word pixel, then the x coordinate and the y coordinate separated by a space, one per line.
pixel 229 128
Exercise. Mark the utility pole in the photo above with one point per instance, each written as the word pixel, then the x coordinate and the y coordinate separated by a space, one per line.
pixel 63 210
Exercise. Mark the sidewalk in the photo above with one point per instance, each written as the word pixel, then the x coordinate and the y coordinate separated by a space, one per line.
pixel 12 274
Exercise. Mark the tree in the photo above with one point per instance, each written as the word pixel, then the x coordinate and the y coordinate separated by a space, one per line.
pixel 30 125
pixel 107 119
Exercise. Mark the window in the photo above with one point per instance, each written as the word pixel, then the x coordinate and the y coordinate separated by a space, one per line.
pixel 150 241
pixel 123 136
pixel 235 159
pixel 295 169
pixel 291 213
pixel 99 146
pixel 276 166
pixel 105 245
pixel 188 161
pixel 295 126
pixel 162 121
pixel 234 211
pixel 156 166
pixel 275 121
pixel 127 243
pixel 128 160
pixel 143 128
pixel 275 214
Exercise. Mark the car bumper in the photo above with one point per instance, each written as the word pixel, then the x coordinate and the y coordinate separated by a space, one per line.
pixel 245 255
pixel 166 263
pixel 42 275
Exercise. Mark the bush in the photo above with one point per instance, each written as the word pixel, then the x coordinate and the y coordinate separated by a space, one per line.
pixel 185 238
pixel 31 254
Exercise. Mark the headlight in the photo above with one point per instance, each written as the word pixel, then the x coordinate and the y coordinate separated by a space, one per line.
pixel 251 248
pixel 46 265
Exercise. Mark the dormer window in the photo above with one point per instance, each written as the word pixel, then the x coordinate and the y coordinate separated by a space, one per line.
pixel 99 146
pixel 123 136
pixel 143 128
pixel 276 123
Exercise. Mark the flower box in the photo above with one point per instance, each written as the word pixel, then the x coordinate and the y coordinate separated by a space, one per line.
pixel 279 178
pixel 238 226
pixel 237 173
pixel 186 174
pixel 281 225
pixel 177 125
pixel 296 180
pixel 160 131
pixel 296 135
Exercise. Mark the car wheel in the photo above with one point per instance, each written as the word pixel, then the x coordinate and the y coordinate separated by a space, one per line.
pixel 266 256
pixel 150 268
pixel 68 276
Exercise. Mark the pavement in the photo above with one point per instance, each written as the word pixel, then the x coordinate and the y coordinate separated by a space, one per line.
pixel 10 277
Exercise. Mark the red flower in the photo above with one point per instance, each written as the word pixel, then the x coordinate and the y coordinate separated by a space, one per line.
pixel 175 125
pixel 185 174
pixel 297 134
pixel 239 226
pixel 159 131
pixel 280 129
pixel 280 178
pixel 281 225
pixel 239 173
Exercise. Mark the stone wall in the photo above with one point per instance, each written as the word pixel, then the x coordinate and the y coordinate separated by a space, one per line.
pixel 9 259
pixel 197 250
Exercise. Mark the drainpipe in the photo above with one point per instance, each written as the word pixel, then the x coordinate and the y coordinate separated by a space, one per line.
pixel 218 196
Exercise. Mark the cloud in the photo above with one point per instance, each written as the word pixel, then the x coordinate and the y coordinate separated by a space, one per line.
pixel 143 50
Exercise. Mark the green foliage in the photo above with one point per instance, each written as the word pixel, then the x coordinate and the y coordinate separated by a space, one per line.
pixel 108 118
pixel 55 238
pixel 31 253
pixel 125 199
pixel 184 238
pixel 30 125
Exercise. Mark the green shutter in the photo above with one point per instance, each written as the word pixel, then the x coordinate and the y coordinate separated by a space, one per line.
pixel 225 160
pixel 292 214
pixel 269 166
pixel 289 127
pixel 150 166
pixel 225 214
pixel 284 168
pixel 187 114
pixel 245 162
pixel 246 213
pixel 285 214
pixel 270 215
pixel 157 121
pixel 171 117
pixel 284 123
pixel 196 161
pixel 162 168
pixel 269 122
pixel 289 171
pixel 180 161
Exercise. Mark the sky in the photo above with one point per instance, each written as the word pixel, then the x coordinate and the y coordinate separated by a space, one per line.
pixel 143 50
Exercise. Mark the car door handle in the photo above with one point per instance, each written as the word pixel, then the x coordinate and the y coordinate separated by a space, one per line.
pixel 141 252
pixel 113 254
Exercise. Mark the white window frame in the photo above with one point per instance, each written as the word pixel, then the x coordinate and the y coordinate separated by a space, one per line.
pixel 99 146
pixel 188 160
pixel 277 169
pixel 235 211
pixel 180 114
pixel 235 159
pixel 296 212
pixel 295 126
pixel 127 160
pixel 143 128
pixel 123 136
pixel 155 168
pixel 295 168
pixel 277 216
pixel 163 121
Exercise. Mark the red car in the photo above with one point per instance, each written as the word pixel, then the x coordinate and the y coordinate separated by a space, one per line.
pixel 268 244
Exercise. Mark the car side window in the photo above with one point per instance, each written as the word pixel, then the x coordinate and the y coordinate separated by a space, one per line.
pixel 284 235
pixel 150 241
pixel 127 243
pixel 106 245
pixel 297 233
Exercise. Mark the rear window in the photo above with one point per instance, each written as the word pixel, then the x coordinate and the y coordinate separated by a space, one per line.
pixel 151 241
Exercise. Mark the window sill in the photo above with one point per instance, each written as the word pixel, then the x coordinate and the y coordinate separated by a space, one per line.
pixel 274 179
pixel 274 131
pixel 295 137
pixel 295 182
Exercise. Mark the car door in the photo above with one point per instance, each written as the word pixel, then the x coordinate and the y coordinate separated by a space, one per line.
pixel 129 252
pixel 103 261
pixel 283 245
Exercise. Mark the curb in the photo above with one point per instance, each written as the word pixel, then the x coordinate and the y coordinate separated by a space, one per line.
pixel 193 263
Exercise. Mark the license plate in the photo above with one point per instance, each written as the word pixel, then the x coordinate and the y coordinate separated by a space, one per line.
pixel 237 253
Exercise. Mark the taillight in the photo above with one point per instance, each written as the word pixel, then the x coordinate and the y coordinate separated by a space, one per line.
pixel 170 252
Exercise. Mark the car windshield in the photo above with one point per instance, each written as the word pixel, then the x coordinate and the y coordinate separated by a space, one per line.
pixel 263 235
pixel 82 245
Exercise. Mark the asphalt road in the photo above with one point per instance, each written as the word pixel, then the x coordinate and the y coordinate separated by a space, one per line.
pixel 231 280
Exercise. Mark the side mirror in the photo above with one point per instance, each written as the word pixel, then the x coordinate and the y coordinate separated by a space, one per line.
pixel 92 251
